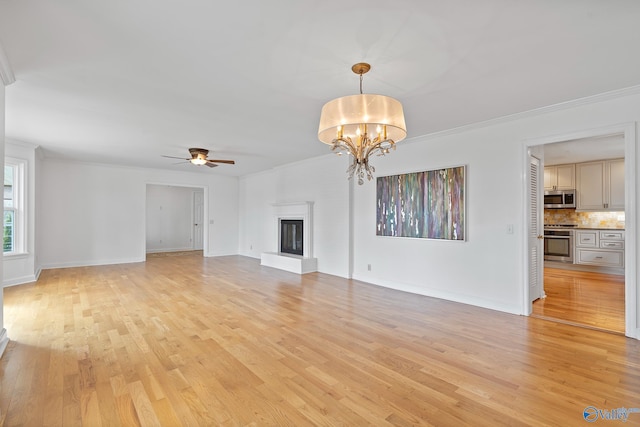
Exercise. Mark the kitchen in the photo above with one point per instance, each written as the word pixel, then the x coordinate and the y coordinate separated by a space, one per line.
pixel 584 233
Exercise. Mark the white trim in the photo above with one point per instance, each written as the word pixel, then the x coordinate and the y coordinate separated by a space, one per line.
pixel 293 263
pixel 72 264
pixel 4 340
pixel 631 281
pixel 6 73
pixel 21 144
pixel 206 250
pixel 561 106
pixel 20 280
pixel 295 210
pixel 438 293
pixel 163 250
pixel 631 249
pixel 20 206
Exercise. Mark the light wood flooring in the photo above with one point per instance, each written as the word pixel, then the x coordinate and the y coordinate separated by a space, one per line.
pixel 195 341
pixel 587 299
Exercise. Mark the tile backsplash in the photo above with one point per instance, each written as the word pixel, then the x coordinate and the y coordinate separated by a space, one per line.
pixel 584 219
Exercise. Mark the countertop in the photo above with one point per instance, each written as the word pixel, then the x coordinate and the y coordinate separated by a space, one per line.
pixel 597 228
pixel 584 228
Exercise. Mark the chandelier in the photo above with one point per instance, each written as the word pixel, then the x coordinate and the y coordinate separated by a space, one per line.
pixel 362 125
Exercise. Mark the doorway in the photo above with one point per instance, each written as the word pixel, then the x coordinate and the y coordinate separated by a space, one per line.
pixel 565 283
pixel 175 218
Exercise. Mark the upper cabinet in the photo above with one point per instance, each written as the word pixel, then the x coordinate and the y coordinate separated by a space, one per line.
pixel 560 177
pixel 600 185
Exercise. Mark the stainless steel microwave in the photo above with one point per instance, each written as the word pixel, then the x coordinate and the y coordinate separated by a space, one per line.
pixel 560 199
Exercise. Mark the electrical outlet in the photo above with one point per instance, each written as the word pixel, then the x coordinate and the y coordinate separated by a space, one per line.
pixel 368 267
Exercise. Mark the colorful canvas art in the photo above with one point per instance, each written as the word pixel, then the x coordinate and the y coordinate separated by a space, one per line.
pixel 429 204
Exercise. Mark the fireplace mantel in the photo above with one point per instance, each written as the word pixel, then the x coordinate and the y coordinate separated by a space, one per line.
pixel 293 263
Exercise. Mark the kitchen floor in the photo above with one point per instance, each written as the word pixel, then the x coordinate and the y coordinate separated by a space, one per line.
pixel 592 300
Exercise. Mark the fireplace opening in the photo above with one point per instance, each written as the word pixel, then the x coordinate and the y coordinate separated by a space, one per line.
pixel 291 236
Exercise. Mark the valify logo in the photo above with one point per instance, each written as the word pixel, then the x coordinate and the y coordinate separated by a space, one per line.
pixel 592 414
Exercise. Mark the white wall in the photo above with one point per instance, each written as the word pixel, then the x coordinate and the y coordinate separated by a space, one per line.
pixel 169 218
pixel 321 180
pixel 488 269
pixel 223 223
pixel 21 268
pixel 95 214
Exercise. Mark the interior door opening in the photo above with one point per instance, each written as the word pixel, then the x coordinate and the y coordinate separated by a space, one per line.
pixel 175 219
pixel 575 288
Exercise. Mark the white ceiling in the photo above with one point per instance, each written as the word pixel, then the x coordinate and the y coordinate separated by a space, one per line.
pixel 584 150
pixel 126 81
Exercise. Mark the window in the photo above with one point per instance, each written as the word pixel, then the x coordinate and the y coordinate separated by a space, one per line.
pixel 13 235
pixel 8 242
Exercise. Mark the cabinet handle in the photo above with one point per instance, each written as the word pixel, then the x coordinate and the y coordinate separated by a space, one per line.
pixel 598 257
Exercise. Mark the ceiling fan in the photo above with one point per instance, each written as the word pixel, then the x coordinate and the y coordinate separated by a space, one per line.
pixel 199 157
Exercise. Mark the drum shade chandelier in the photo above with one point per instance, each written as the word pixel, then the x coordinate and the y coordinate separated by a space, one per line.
pixel 362 125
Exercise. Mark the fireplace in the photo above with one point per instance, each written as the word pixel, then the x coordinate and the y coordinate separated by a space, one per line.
pixel 291 236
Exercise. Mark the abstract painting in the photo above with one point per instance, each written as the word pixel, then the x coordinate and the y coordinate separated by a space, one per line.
pixel 429 204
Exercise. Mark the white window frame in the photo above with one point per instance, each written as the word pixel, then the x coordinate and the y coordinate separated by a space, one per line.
pixel 19 206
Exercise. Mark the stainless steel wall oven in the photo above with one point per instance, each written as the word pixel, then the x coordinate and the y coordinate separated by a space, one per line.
pixel 558 244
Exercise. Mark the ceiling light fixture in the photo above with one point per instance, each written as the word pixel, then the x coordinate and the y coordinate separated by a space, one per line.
pixel 199 159
pixel 362 125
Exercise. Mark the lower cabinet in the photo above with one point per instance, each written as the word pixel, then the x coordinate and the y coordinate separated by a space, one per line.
pixel 599 247
pixel 602 258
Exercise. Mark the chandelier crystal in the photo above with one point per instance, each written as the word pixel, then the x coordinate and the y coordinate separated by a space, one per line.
pixel 362 125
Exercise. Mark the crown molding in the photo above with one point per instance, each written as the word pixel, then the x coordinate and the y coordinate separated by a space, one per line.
pixel 605 96
pixel 6 73
pixel 22 144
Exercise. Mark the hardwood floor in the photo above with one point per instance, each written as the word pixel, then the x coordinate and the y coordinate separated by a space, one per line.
pixel 586 299
pixel 187 340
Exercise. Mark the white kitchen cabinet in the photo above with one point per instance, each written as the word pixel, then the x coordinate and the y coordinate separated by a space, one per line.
pixel 604 248
pixel 560 177
pixel 600 258
pixel 615 176
pixel 600 185
pixel 587 238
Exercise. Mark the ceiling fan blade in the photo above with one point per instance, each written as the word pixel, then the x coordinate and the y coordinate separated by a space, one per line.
pixel 172 157
pixel 211 165
pixel 228 162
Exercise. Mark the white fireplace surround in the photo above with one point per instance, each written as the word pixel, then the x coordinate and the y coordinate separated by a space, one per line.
pixel 289 262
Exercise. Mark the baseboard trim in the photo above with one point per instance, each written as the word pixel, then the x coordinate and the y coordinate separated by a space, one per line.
pixel 436 293
pixel 91 263
pixel 20 280
pixel 162 250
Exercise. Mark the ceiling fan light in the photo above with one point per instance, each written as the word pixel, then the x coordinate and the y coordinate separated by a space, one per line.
pixel 198 156
pixel 198 161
